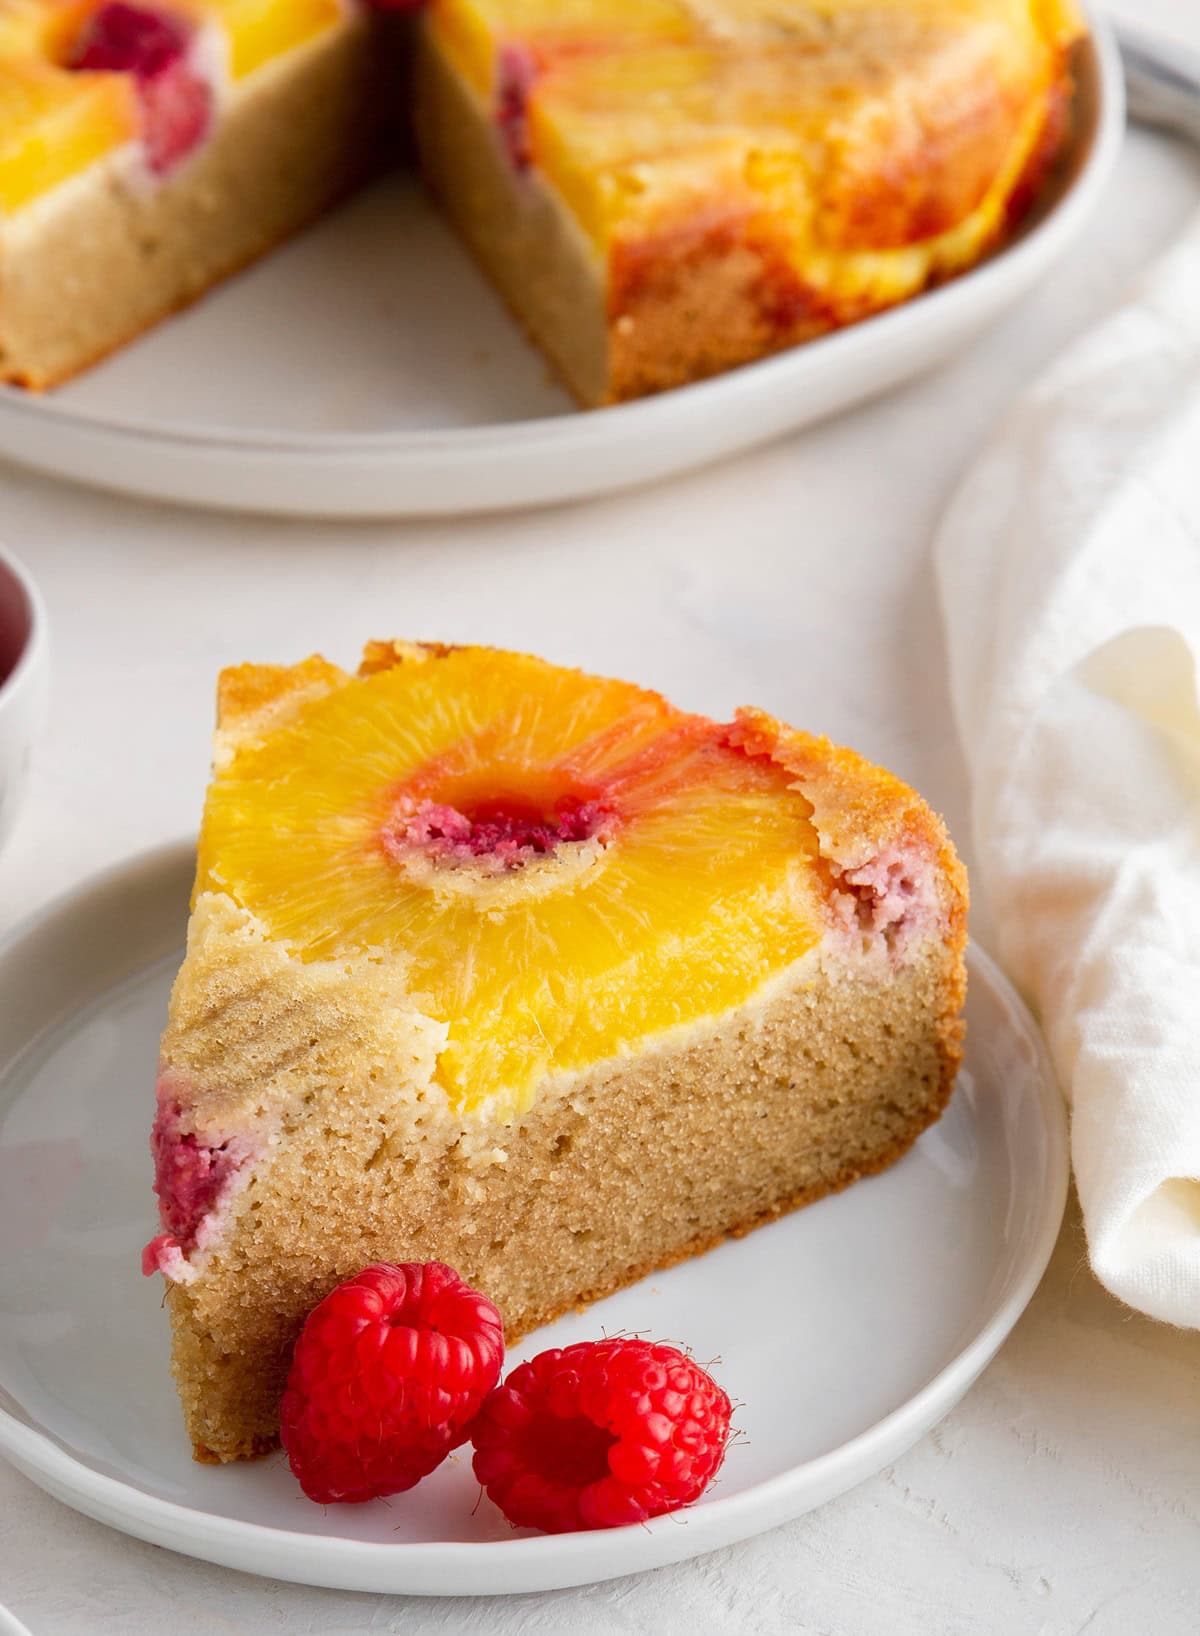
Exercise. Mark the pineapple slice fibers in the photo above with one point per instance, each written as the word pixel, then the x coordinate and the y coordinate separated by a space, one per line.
pixel 54 124
pixel 259 31
pixel 566 866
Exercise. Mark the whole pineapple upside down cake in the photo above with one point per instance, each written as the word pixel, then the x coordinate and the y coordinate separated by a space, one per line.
pixel 659 189
pixel 500 965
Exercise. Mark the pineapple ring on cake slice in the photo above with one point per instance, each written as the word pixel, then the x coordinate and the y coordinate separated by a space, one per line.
pixel 541 851
pixel 500 964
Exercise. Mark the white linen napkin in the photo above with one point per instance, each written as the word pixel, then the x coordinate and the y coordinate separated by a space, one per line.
pixel 1069 571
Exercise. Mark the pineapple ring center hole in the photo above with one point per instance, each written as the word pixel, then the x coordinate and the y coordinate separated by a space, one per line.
pixel 500 833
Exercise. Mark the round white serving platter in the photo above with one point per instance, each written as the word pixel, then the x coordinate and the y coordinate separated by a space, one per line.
pixel 843 1331
pixel 368 370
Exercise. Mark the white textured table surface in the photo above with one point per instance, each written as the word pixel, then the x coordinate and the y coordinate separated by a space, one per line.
pixel 1063 1496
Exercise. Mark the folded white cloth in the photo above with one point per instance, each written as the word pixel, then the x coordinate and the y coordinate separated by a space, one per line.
pixel 1069 569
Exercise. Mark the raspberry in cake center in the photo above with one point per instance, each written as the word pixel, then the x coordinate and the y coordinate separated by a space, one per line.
pixel 499 833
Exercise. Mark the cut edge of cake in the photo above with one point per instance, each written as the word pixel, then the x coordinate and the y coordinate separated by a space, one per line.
pixel 112 250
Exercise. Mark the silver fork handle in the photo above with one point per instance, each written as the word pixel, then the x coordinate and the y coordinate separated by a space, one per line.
pixel 1162 82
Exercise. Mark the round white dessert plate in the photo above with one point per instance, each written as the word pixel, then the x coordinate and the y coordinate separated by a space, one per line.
pixel 843 1332
pixel 368 370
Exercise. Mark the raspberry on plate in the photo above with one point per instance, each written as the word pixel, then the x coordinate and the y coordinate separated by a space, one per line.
pixel 388 1372
pixel 600 1434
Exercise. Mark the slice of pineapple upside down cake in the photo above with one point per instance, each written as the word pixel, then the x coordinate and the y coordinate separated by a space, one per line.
pixel 498 964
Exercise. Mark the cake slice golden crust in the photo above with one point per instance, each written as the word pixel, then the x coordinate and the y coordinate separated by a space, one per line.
pixel 528 972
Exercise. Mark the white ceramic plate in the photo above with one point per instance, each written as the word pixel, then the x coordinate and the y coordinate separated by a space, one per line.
pixel 368 370
pixel 845 1330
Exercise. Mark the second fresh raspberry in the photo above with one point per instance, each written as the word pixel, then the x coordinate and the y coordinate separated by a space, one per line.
pixel 599 1435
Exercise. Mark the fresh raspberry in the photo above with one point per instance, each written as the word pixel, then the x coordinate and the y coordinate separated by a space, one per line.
pixel 600 1434
pixel 153 46
pixel 389 1370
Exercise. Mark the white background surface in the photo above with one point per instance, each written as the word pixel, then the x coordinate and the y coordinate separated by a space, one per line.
pixel 1064 1495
